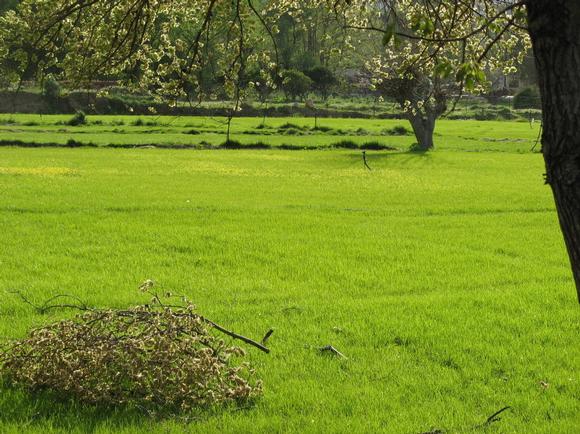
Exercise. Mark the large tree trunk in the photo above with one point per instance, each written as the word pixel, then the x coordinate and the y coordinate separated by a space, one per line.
pixel 423 127
pixel 554 27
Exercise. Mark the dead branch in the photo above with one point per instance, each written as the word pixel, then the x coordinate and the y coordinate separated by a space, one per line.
pixel 46 306
pixel 267 336
pixel 494 417
pixel 333 351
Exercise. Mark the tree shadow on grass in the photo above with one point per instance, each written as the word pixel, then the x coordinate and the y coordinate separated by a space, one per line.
pixel 397 159
pixel 43 411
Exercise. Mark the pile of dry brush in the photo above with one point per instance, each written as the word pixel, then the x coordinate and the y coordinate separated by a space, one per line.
pixel 154 357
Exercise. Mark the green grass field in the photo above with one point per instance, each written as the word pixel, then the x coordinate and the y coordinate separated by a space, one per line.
pixel 170 131
pixel 442 277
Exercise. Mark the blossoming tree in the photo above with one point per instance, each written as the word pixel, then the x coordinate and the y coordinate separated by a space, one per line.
pixel 429 46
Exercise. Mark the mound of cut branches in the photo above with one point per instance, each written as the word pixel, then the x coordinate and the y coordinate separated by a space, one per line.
pixel 152 357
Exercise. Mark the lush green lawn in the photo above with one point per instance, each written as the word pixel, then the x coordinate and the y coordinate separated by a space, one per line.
pixel 167 130
pixel 442 277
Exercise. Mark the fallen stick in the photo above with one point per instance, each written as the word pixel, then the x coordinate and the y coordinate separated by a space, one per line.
pixel 267 336
pixel 235 335
pixel 493 417
pixel 333 350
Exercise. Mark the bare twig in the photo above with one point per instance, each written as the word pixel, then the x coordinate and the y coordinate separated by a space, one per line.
pixel 267 336
pixel 332 350
pixel 538 138
pixel 235 335
pixel 46 306
pixel 494 417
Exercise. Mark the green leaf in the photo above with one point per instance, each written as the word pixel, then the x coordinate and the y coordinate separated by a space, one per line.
pixel 390 31
pixel 520 14
pixel 469 82
pixel 387 36
pixel 480 76
pixel 470 74
pixel 422 24
pixel 463 71
pixel 428 27
pixel 443 69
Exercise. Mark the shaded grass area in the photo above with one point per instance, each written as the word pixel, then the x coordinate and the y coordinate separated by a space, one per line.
pixel 228 144
pixel 442 277
pixel 286 133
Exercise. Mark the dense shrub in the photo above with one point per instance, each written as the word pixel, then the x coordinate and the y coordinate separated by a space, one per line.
pixel 79 118
pixel 338 132
pixel 506 113
pixel 322 128
pixel 529 113
pixel 293 132
pixel 291 147
pixel 323 79
pixel 121 100
pixel 397 130
pixel 71 143
pixel 289 125
pixel 485 115
pixel 375 146
pixel 295 84
pixel 528 98
pixel 258 145
pixel 234 144
pixel 7 121
pixel 362 132
pixel 231 144
pixel 347 144
pixel 115 104
pixel 51 91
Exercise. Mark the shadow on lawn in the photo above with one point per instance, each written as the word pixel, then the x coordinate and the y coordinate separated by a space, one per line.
pixel 44 411
pixel 397 159
pixel 17 407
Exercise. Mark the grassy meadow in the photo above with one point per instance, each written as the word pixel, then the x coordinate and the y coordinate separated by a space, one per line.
pixel 164 131
pixel 442 277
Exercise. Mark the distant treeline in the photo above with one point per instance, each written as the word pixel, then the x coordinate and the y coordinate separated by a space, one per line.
pixel 89 102
pixel 522 106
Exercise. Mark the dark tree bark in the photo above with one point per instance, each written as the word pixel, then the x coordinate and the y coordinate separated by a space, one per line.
pixel 423 127
pixel 554 27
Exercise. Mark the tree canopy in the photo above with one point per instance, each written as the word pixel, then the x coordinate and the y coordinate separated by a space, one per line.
pixel 167 45
pixel 424 47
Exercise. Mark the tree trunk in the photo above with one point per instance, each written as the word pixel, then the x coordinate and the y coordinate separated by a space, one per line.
pixel 423 127
pixel 554 27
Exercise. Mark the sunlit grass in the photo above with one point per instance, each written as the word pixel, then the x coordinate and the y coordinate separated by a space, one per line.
pixel 442 277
